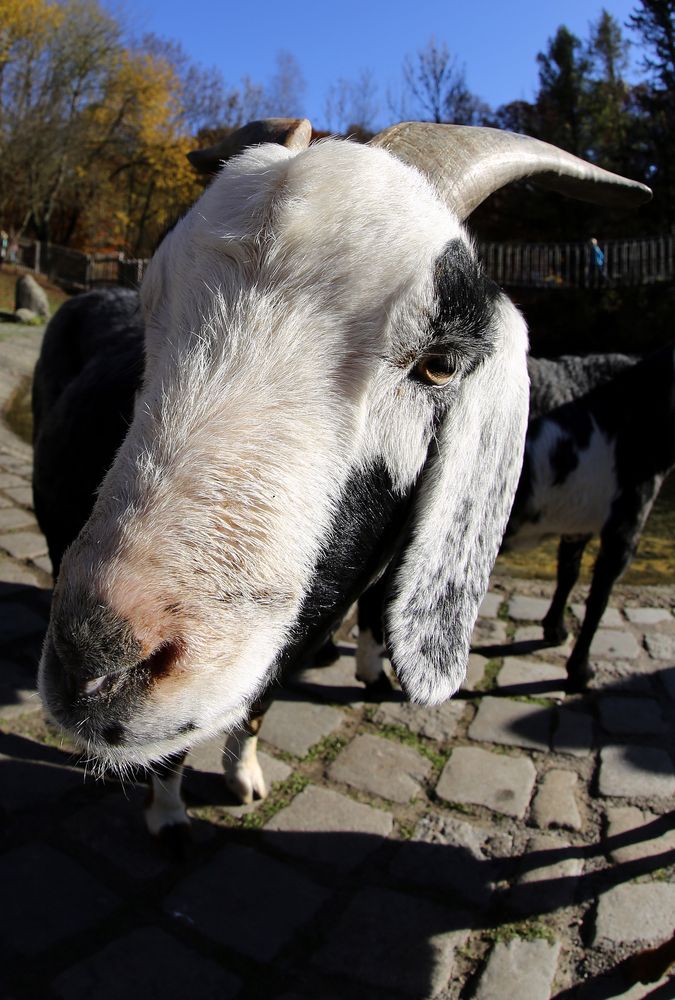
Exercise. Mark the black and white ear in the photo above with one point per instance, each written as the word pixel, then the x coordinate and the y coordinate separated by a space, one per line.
pixel 461 508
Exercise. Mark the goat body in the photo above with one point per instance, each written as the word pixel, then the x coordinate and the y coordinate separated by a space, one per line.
pixel 593 466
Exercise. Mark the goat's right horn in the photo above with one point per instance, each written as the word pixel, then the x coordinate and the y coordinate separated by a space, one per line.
pixel 467 164
pixel 292 132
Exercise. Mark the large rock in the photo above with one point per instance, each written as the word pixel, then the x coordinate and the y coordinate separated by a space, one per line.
pixel 30 295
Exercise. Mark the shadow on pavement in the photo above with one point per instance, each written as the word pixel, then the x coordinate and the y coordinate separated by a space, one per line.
pixel 348 914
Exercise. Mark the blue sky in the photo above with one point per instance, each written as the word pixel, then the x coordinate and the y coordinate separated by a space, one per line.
pixel 496 41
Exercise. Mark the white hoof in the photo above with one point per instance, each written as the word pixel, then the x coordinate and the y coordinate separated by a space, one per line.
pixel 243 774
pixel 245 780
pixel 165 807
pixel 369 665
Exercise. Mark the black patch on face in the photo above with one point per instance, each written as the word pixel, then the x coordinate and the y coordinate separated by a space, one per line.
pixel 462 324
pixel 369 525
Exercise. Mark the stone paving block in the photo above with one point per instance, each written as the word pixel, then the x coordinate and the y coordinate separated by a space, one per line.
pixel 17 690
pixel 44 563
pixel 635 912
pixel 631 716
pixel 113 827
pixel 636 772
pixel 18 621
pixel 204 781
pixel 614 643
pixel 5 502
pixel 209 757
pixel 476 776
pixel 381 767
pixel 15 517
pixel 448 853
pixel 322 825
pixel 395 942
pixel 531 677
pixel 489 632
pixel 437 722
pixel 514 723
pixel 10 479
pixel 295 726
pixel 642 834
pixel 34 878
pixel 555 803
pixel 534 633
pixel 247 901
pixel 519 968
pixel 549 879
pixel 573 733
pixel 661 646
pixel 23 544
pixel 610 619
pixel 14 575
pixel 336 682
pixel 25 783
pixel 648 616
pixel 528 609
pixel 662 989
pixel 146 964
pixel 22 495
pixel 475 672
pixel 490 605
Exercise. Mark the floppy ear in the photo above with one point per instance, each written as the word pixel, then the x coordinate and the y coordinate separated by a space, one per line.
pixel 462 504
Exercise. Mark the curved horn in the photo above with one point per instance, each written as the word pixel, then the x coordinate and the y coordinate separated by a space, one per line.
pixel 292 132
pixel 468 164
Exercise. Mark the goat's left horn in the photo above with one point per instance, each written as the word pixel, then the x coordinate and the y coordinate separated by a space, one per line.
pixel 467 164
pixel 295 133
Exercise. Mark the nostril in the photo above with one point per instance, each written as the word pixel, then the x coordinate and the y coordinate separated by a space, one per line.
pixel 97 685
pixel 157 665
pixel 161 661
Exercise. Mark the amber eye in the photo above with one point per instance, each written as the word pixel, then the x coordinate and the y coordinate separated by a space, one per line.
pixel 435 370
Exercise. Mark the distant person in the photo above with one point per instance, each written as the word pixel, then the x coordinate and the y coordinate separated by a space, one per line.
pixel 4 243
pixel 597 265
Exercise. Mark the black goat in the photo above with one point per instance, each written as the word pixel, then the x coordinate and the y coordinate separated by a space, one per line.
pixel 598 449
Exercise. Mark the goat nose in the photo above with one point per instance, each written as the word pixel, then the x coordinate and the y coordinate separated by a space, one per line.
pixel 91 641
pixel 158 664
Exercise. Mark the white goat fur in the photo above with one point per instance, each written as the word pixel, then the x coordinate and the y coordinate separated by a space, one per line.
pixel 281 314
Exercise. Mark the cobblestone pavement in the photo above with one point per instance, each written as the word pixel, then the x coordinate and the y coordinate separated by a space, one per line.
pixel 513 843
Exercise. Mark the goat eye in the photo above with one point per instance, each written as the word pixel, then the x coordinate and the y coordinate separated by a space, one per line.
pixel 435 370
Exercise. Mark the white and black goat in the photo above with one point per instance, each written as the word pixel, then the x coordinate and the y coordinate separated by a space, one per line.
pixel 331 385
pixel 600 444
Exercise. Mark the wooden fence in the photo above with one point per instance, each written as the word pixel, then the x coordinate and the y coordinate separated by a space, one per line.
pixel 78 270
pixel 572 265
pixel 530 265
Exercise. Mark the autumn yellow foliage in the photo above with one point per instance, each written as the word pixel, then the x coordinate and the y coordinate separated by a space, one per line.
pixel 92 136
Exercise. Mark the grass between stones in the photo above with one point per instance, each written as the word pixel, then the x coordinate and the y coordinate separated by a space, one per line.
pixel 281 796
pixel 526 930
pixel 489 678
pixel 327 749
pixel 399 734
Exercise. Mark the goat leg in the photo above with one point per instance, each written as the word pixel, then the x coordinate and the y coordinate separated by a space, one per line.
pixel 370 646
pixel 618 542
pixel 243 774
pixel 165 815
pixel 570 551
